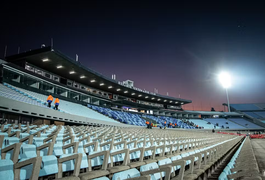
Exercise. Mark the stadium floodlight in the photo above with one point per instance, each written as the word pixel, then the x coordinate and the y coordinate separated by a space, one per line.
pixel 82 77
pixel 93 80
pixel 158 99
pixel 182 103
pixel 176 102
pixel 45 60
pixel 146 96
pixel 225 81
pixel 170 101
pixel 118 89
pixel 110 87
pixel 125 91
pixel 165 100
pixel 153 98
pixel 139 95
pixel 59 67
pixel 101 84
pixel 133 93
pixel 71 72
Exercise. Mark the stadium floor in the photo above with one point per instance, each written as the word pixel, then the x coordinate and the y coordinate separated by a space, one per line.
pixel 259 149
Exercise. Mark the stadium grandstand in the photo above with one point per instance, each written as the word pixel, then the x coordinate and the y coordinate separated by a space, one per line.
pixel 100 129
pixel 255 111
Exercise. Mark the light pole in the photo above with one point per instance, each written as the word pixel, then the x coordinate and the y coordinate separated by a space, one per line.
pixel 225 80
pixel 227 100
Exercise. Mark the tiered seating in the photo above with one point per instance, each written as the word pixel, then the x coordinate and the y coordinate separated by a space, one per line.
pixel 161 119
pixel 252 114
pixel 260 113
pixel 124 117
pixel 244 123
pixel 203 123
pixel 245 107
pixel 65 106
pixel 256 114
pixel 18 95
pixel 261 105
pixel 222 121
pixel 242 164
pixel 82 152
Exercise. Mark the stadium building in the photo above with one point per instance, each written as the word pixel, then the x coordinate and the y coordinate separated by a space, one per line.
pixel 99 131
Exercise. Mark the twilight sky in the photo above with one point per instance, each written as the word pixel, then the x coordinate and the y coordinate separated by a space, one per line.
pixel 173 46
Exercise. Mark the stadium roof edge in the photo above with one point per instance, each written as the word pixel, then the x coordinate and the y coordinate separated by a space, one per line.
pixel 49 51
pixel 213 113
pixel 2 61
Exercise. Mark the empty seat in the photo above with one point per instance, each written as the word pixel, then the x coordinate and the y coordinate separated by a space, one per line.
pixel 151 166
pixel 131 173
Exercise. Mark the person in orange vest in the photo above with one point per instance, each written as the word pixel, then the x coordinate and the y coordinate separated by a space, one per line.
pixel 49 100
pixel 148 126
pixel 170 124
pixel 165 123
pixel 175 124
pixel 56 103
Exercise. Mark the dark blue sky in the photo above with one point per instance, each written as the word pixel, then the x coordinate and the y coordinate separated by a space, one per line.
pixel 173 46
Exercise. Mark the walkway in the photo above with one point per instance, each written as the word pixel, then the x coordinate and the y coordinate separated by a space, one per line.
pixel 259 149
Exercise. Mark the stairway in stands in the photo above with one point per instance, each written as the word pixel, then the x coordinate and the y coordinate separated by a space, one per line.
pixel 65 106
pixel 23 93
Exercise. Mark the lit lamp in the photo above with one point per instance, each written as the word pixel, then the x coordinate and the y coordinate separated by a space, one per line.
pixel 225 81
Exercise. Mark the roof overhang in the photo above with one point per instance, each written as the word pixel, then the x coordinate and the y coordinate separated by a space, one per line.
pixel 49 59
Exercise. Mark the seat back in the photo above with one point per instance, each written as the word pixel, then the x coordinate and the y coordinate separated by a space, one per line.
pixel 6 169
pixel 131 173
pixel 27 151
pixel 151 166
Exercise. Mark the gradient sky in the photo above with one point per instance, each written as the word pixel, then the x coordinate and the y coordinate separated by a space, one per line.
pixel 173 46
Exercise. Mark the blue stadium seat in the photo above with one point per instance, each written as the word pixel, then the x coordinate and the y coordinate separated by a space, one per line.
pixel 131 173
pixel 222 176
pixel 101 178
pixel 151 166
pixel 6 169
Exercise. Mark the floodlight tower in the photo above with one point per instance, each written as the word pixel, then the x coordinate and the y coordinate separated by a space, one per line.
pixel 225 81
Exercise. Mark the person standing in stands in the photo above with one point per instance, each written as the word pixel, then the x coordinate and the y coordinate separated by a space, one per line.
pixel 49 100
pixel 165 123
pixel 56 103
pixel 147 123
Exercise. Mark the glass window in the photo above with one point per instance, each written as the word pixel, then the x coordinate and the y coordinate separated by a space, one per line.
pixel 47 87
pixel 85 98
pixel 56 78
pixel 82 87
pixel 38 71
pixel 74 95
pixel 30 68
pixel 47 75
pixel 61 91
pixel 9 75
pixel 31 82
pixel 69 83
pixel 76 85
